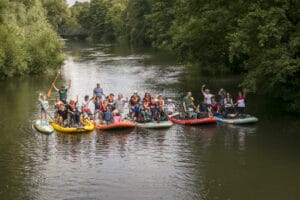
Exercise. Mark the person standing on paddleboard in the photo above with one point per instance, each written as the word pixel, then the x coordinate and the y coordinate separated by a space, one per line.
pixel 63 91
pixel 44 105
pixel 98 91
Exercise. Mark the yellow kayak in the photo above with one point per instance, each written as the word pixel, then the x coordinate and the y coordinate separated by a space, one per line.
pixel 89 126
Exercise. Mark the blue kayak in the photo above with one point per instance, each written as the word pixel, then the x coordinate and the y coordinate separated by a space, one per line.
pixel 237 120
pixel 155 124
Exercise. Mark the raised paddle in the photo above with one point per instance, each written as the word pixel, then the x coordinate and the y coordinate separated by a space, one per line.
pixel 50 89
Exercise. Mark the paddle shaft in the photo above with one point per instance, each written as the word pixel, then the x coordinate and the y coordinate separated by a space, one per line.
pixel 50 89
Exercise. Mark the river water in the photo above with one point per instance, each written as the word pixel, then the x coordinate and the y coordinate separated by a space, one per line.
pixel 259 161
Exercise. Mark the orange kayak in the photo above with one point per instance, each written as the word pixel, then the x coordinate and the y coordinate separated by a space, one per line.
pixel 116 125
pixel 206 120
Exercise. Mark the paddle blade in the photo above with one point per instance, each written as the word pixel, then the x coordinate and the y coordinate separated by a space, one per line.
pixel 49 92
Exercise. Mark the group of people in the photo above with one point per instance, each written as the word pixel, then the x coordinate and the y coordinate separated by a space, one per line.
pixel 107 108
pixel 210 106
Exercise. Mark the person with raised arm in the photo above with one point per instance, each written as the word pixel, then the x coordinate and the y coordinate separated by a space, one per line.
pixel 63 91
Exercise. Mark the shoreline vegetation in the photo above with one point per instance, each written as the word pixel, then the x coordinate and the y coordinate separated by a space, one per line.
pixel 260 40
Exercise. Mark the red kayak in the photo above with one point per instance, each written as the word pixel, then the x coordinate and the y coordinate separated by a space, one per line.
pixel 206 120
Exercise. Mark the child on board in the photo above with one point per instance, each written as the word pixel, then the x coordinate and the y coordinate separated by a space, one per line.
pixel 206 93
pixel 44 105
pixel 215 106
pixel 62 116
pixel 147 97
pixel 154 109
pixel 106 109
pixel 63 91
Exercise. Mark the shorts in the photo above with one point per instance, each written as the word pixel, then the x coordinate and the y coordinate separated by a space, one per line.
pixel 43 111
pixel 241 110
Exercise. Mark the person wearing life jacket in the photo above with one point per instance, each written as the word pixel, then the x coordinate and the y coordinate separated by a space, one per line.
pixel 188 106
pixel 240 103
pixel 62 115
pixel 147 97
pixel 111 101
pixel 107 112
pixel 161 107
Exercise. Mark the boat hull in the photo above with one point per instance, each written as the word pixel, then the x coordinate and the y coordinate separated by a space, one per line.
pixel 43 126
pixel 155 125
pixel 118 125
pixel 206 120
pixel 89 126
pixel 246 120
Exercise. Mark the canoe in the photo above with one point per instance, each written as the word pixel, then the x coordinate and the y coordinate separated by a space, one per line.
pixel 116 125
pixel 205 120
pixel 155 124
pixel 89 126
pixel 43 126
pixel 239 120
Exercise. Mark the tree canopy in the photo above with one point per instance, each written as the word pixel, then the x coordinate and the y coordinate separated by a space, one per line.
pixel 28 42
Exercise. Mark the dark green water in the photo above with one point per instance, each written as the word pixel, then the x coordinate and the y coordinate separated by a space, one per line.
pixel 259 161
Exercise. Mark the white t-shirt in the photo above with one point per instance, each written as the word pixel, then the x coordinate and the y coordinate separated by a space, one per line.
pixel 208 97
pixel 170 107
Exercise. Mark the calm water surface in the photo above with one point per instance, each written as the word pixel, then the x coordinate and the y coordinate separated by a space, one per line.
pixel 219 161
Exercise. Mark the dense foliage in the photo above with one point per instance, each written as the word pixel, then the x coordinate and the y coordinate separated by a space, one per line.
pixel 28 42
pixel 258 39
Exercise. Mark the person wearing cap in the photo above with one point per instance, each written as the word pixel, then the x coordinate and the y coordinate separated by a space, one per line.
pixel 63 91
pixel 206 93
pixel 170 107
pixel 98 91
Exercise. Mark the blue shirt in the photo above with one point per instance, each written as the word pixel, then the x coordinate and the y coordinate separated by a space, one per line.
pixel 98 92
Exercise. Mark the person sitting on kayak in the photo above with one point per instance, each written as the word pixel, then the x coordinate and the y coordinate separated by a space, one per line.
pixel 154 109
pixel 86 111
pixel 74 114
pixel 161 107
pixel 240 103
pixel 62 115
pixel 189 106
pixel 111 101
pixel 206 93
pixel 215 106
pixel 134 105
pixel 98 91
pixel 107 112
pixel 228 105
pixel 97 104
pixel 120 105
pixel 204 109
pixel 144 111
pixel 62 92
pixel 170 107
pixel 44 105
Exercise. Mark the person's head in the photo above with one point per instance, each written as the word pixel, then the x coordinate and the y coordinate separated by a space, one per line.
pixel 205 100
pixel 98 85
pixel 213 100
pixel 159 96
pixel 61 106
pixel 206 90
pixel 86 97
pixel 120 96
pixel 240 94
pixel 170 101
pixel 44 97
pixel 227 94
pixel 189 94
pixel 62 87
pixel 71 102
pixel 152 99
pixel 135 92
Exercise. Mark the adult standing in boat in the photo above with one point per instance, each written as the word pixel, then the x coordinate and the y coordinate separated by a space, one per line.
pixel 120 104
pixel 98 91
pixel 240 103
pixel 63 91
pixel 206 93
pixel 188 105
